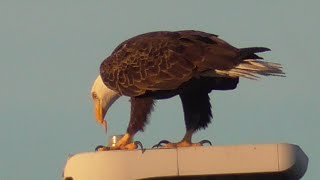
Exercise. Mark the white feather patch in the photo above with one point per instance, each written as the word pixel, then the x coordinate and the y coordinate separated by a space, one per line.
pixel 250 69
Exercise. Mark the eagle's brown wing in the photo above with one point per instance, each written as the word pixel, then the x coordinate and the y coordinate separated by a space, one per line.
pixel 164 60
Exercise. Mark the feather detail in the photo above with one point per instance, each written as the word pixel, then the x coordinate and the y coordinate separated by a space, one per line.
pixel 250 68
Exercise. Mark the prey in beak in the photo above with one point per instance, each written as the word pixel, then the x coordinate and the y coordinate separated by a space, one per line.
pixel 103 97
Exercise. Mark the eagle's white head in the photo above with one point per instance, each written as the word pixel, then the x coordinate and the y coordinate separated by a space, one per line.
pixel 103 97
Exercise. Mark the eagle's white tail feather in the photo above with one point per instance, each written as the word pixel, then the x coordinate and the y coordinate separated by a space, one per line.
pixel 250 68
pixel 242 73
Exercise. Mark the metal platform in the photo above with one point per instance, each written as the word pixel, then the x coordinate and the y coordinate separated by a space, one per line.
pixel 250 162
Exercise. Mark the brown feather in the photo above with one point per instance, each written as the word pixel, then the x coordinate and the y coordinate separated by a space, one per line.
pixel 165 60
pixel 140 111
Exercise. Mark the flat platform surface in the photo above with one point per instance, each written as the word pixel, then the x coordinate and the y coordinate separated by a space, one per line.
pixel 257 161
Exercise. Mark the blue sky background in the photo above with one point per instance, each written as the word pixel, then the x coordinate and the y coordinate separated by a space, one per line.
pixel 50 52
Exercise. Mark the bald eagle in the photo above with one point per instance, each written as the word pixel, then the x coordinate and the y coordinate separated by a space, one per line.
pixel 161 65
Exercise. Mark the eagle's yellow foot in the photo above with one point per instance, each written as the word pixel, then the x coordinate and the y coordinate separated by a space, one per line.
pixel 125 143
pixel 131 146
pixel 183 143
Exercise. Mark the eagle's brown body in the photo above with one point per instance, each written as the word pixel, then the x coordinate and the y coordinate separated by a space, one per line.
pixel 190 64
pixel 165 60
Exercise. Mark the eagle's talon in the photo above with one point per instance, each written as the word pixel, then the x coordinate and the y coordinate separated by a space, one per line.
pixel 160 143
pixel 205 142
pixel 138 143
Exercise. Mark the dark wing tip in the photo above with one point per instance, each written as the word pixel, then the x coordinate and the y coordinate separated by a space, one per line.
pixel 252 50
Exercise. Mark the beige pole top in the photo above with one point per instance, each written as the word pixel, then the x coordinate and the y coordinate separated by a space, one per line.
pixel 277 161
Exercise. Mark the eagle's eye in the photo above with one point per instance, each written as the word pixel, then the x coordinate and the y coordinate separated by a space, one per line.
pixel 94 95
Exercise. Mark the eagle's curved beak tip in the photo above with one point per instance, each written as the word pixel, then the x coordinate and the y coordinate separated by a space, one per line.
pixel 105 126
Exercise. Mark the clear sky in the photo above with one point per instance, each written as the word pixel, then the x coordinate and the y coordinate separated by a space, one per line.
pixel 50 52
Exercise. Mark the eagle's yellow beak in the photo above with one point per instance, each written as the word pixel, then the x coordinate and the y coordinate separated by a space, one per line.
pixel 100 113
pixel 103 97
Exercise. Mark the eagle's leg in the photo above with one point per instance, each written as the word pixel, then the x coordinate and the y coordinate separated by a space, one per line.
pixel 197 115
pixel 140 110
